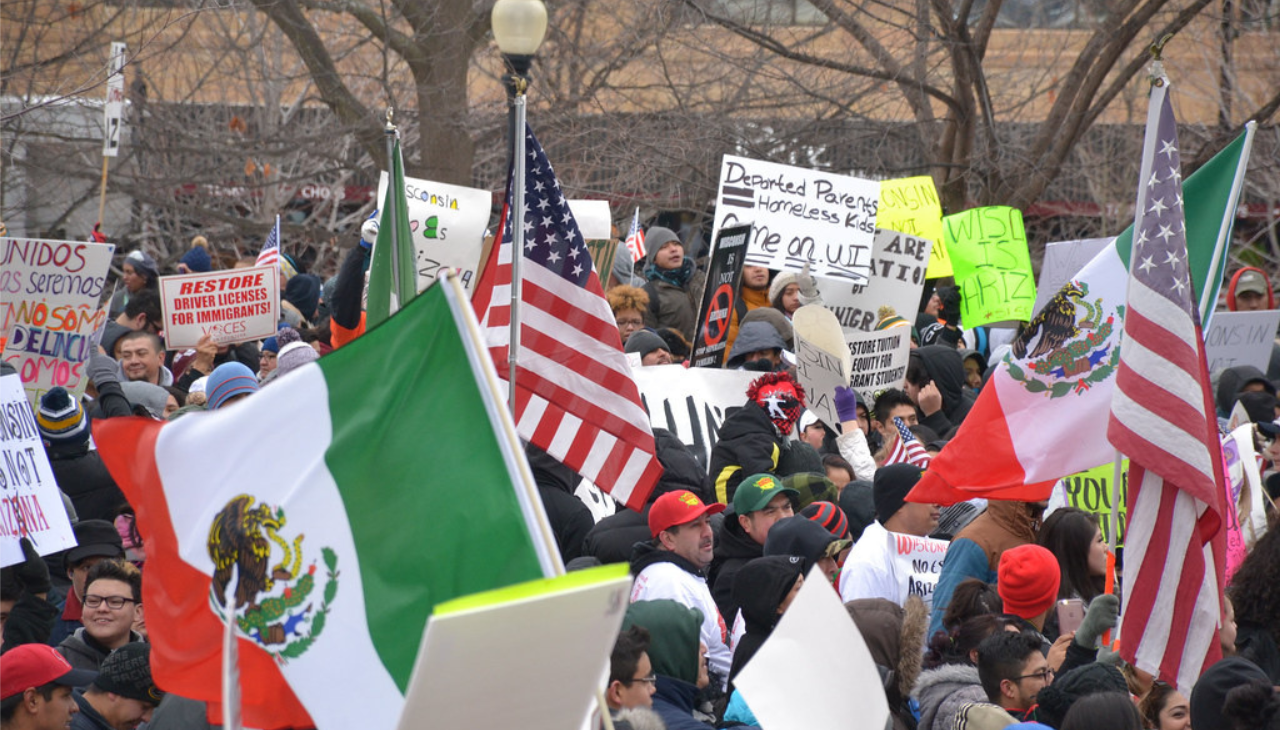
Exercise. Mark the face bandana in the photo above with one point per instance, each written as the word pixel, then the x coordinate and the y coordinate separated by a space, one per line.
pixel 783 404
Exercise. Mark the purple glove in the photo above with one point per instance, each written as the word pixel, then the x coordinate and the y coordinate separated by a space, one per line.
pixel 846 404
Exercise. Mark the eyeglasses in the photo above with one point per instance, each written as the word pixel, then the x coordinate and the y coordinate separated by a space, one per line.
pixel 115 603
pixel 651 679
pixel 1043 674
pixel 630 322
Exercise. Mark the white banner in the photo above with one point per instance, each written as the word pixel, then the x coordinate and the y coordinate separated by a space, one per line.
pixel 897 277
pixel 238 305
pixel 692 402
pixel 113 119
pixel 1241 338
pixel 447 223
pixel 801 216
pixel 49 294
pixel 30 505
pixel 879 361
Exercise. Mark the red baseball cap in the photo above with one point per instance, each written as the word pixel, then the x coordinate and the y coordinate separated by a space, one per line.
pixel 35 665
pixel 678 508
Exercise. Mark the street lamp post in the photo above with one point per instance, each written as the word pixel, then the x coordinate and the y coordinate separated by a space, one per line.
pixel 519 27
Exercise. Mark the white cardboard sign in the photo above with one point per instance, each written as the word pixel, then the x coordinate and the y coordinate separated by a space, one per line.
pixel 237 305
pixel 898 268
pixel 692 402
pixel 1241 338
pixel 594 219
pixel 919 561
pixel 801 216
pixel 879 360
pixel 30 505
pixel 49 293
pixel 1062 261
pixel 447 223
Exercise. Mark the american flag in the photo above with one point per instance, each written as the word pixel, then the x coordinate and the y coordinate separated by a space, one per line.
pixel 635 238
pixel 907 449
pixel 1162 418
pixel 575 398
pixel 270 253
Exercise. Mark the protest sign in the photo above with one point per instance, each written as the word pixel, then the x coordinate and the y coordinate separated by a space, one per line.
pixel 30 505
pixel 49 293
pixel 897 278
pixel 1091 490
pixel 801 216
pixel 719 296
pixel 231 306
pixel 992 264
pixel 1241 338
pixel 691 402
pixel 1062 261
pixel 822 359
pixel 447 223
pixel 593 218
pixel 919 559
pixel 113 110
pixel 602 251
pixel 1245 490
pixel 553 636
pixel 879 361
pixel 795 649
pixel 911 205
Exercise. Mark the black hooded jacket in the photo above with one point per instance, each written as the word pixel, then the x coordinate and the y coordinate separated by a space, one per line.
pixel 946 369
pixel 1232 381
pixel 748 444
pixel 761 586
pixel 734 549
pixel 612 538
pixel 570 519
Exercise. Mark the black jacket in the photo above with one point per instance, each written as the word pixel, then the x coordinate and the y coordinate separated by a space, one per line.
pixel 734 549
pixel 748 444
pixel 85 479
pixel 946 368
pixel 570 519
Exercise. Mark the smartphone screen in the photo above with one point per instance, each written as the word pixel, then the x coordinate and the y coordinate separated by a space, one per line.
pixel 1070 615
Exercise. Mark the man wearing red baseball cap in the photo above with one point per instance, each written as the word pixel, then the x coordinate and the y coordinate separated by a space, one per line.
pixel 672 566
pixel 35 684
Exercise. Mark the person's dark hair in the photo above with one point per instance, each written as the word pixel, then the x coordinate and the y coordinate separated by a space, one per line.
pixel 119 570
pixel 1002 656
pixel 1153 702
pixel 1068 533
pixel 917 374
pixel 1253 706
pixel 631 644
pixel 178 394
pixel 972 597
pixel 1255 586
pixel 10 706
pixel 836 461
pixel 1102 711
pixel 145 301
pixel 151 337
pixel 890 399
pixel 677 344
pixel 923 433
pixel 954 648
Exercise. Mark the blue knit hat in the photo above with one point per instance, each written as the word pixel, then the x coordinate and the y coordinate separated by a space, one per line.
pixel 197 259
pixel 60 419
pixel 227 380
pixel 271 344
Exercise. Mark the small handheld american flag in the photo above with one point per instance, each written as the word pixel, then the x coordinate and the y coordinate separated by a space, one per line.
pixel 635 238
pixel 270 253
pixel 907 449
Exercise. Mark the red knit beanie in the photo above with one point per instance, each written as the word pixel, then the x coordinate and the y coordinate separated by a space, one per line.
pixel 1027 580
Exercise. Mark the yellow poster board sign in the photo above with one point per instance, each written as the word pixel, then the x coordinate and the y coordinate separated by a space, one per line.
pixel 1092 491
pixel 992 265
pixel 910 205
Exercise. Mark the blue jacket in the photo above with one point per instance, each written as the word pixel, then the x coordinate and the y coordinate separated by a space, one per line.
pixel 673 701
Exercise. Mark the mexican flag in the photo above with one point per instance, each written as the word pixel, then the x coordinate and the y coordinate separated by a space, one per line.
pixel 338 505
pixel 1043 413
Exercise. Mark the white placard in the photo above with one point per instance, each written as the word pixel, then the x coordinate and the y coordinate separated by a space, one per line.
pixel 1241 338
pixel 897 278
pixel 692 402
pixel 822 359
pixel 594 219
pixel 801 216
pixel 447 223
pixel 553 646
pixel 796 649
pixel 113 110
pixel 919 560
pixel 49 293
pixel 30 505
pixel 238 305
pixel 879 361
pixel 1062 261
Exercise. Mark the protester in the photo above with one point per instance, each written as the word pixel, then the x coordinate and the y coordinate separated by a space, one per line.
pixel 1013 671
pixel 872 570
pixel 761 500
pixel 830 517
pixel 679 659
pixel 96 541
pixel 26 615
pixel 808 540
pixel 628 304
pixel 196 260
pixel 1254 594
pixel 753 439
pixel 631 678
pixel 891 404
pixel 1235 382
pixel 935 383
pixel 764 588
pixel 952 680
pixel 672 566
pixel 753 294
pixel 677 344
pixel 1253 705
pixel 79 471
pixel 1103 711
pixel 1067 689
pixel 1164 708
pixel 791 290
pixel 570 519
pixel 112 603
pixel 267 358
pixel 35 689
pixel 1209 695
pixel 141 314
pixel 294 353
pixel 123 695
pixel 142 358
pixel 1250 291
pixel 894 634
pixel 229 383
pixel 758 348
pixel 149 400
pixel 1028 580
pixel 1075 540
pixel 672 282
pixel 139 272
pixel 651 348
pixel 854 442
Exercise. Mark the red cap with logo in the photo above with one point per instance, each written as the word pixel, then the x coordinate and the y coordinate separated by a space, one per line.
pixel 678 508
pixel 35 665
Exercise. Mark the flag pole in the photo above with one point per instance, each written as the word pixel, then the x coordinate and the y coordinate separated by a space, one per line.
pixel 102 189
pixel 390 132
pixel 517 232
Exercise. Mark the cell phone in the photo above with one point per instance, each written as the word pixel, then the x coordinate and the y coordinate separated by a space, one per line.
pixel 1070 615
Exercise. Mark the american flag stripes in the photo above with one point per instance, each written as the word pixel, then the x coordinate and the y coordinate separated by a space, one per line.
pixel 907 449
pixel 635 238
pixel 270 253
pixel 1162 418
pixel 575 397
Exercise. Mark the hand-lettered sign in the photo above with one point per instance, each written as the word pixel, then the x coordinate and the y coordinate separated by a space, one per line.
pixel 897 277
pixel 30 505
pixel 447 224
pixel 911 205
pixel 232 306
pixel 719 296
pixel 992 264
pixel 1241 338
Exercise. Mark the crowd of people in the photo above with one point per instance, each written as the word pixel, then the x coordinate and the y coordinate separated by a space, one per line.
pixel 724 544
